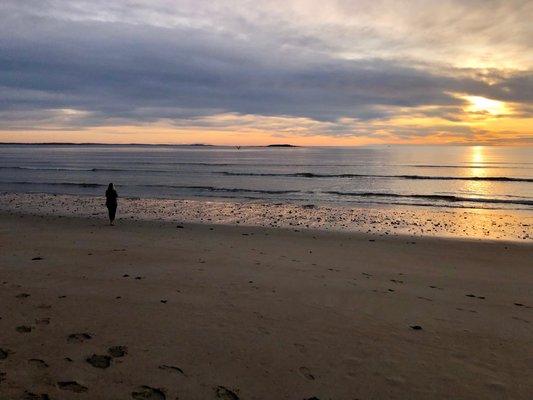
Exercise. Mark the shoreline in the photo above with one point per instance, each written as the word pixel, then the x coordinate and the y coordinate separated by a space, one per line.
pixel 413 221
pixel 145 309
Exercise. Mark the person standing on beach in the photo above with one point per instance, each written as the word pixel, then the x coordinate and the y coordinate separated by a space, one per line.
pixel 111 202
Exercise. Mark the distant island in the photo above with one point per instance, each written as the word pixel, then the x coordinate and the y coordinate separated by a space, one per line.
pixel 281 145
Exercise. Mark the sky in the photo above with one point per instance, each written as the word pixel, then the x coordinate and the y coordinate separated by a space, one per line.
pixel 239 72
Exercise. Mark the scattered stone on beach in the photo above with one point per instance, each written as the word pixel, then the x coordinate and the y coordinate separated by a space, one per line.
pixel 416 327
pixel 117 351
pixel 72 386
pixel 180 226
pixel 226 394
pixel 78 337
pixel 99 361
pixel 37 258
pixel 148 393
pixel 22 295
pixel 43 321
pixel 24 329
pixel 518 304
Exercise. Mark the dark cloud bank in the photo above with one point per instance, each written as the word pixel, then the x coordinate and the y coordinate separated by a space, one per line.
pixel 135 73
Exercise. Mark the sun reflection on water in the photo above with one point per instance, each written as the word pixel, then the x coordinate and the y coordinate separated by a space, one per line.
pixel 479 168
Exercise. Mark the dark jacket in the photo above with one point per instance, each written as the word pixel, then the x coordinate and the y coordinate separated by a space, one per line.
pixel 111 198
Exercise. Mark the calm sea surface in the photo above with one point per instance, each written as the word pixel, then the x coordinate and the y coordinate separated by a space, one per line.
pixel 436 176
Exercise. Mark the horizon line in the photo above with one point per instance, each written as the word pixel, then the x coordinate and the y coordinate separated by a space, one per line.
pixel 275 145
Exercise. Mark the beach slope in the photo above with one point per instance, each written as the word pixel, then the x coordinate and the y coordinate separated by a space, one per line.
pixel 156 310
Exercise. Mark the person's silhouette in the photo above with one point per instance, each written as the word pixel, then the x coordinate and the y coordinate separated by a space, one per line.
pixel 111 202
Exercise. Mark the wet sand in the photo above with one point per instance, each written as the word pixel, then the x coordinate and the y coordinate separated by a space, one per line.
pixel 168 310
pixel 415 221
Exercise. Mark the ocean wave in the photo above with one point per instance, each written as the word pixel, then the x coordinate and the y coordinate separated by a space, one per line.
pixel 464 166
pixel 191 187
pixel 81 184
pixel 220 189
pixel 413 177
pixel 446 198
pixel 82 169
pixel 46 168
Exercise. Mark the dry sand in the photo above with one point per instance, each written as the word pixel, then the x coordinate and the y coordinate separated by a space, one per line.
pixel 156 310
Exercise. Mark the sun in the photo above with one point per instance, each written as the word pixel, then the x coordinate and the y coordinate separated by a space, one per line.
pixel 482 105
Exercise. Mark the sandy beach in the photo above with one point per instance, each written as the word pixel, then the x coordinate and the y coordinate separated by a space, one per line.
pixel 166 310
pixel 413 221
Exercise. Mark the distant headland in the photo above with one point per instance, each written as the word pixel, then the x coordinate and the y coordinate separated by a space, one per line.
pixel 281 145
pixel 105 144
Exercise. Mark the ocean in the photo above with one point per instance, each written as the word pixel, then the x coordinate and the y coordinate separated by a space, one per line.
pixel 475 177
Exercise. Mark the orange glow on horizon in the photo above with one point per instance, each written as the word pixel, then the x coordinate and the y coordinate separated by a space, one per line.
pixel 412 127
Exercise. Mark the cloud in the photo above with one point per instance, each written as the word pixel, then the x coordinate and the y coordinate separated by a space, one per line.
pixel 68 64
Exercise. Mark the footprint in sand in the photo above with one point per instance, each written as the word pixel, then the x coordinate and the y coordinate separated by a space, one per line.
pixel 474 296
pixel 72 386
pixel 226 394
pixel 300 347
pixel 33 396
pixel 3 354
pixel 38 362
pixel 306 373
pixel 99 361
pixel 171 368
pixel 22 295
pixel 78 337
pixel 521 319
pixel 148 393
pixel 117 351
